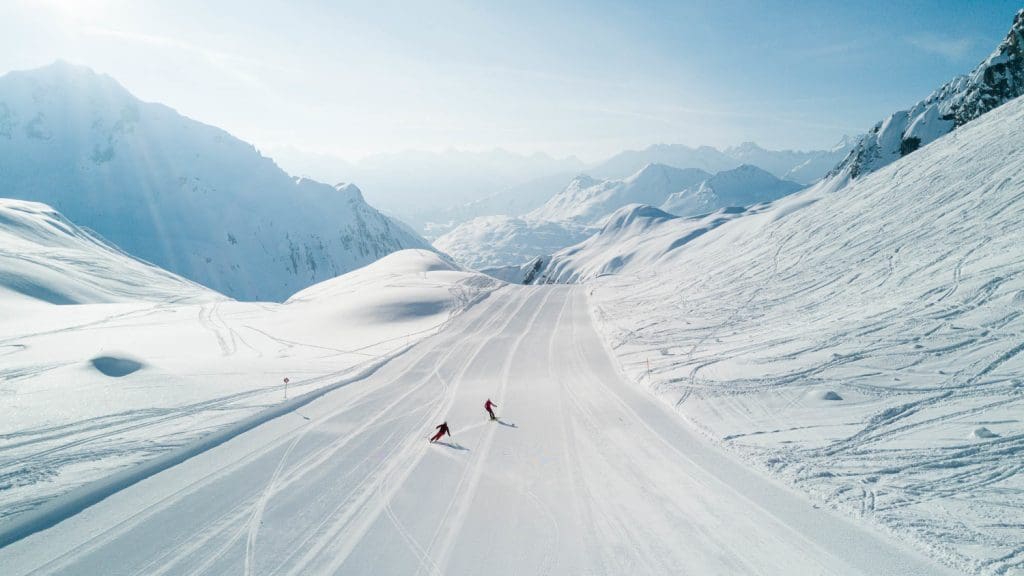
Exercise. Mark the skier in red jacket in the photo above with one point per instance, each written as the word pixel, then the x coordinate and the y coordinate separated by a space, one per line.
pixel 489 406
pixel 441 431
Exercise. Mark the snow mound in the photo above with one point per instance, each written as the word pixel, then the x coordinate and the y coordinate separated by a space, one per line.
pixel 116 366
pixel 983 432
pixel 46 258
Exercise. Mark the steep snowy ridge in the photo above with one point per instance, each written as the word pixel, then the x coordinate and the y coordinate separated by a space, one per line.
pixel 863 345
pixel 743 186
pixel 588 201
pixel 997 80
pixel 46 258
pixel 186 196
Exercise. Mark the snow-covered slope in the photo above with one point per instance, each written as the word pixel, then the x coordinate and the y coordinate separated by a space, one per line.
pixel 588 201
pixel 741 186
pixel 804 167
pixel 997 80
pixel 636 237
pixel 97 388
pixel 864 345
pixel 493 241
pixel 46 258
pixel 186 196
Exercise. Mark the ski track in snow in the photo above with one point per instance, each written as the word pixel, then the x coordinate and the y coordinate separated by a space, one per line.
pixel 584 473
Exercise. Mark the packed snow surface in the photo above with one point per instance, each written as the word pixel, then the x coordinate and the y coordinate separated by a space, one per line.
pixel 863 344
pixel 584 473
pixel 92 389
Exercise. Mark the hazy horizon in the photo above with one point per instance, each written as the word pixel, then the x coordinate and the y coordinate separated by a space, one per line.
pixel 565 79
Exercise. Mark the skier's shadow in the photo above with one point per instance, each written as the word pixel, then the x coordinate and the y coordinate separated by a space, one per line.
pixel 509 424
pixel 452 445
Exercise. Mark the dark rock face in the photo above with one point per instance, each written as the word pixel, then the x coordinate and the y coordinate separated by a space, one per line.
pixel 994 82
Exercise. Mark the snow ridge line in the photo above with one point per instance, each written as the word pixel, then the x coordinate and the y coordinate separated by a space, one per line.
pixel 77 500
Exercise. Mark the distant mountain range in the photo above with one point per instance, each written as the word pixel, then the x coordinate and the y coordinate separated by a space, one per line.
pixel 798 166
pixel 586 204
pixel 183 195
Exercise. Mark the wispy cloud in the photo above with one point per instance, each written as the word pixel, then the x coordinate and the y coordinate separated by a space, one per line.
pixel 949 48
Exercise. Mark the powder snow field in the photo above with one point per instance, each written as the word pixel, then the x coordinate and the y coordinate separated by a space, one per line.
pixel 585 473
pixel 864 344
pixel 95 388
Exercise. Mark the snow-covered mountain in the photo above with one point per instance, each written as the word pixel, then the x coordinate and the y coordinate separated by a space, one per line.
pixel 865 345
pixel 494 241
pixel 804 167
pixel 588 201
pixel 997 80
pixel 44 257
pixel 636 237
pixel 186 196
pixel 429 189
pixel 741 186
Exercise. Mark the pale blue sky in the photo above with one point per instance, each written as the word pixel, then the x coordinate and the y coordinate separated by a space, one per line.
pixel 584 78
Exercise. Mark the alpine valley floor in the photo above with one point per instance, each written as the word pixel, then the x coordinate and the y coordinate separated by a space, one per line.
pixel 585 473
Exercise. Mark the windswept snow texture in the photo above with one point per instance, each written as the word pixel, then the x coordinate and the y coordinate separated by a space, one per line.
pixel 185 196
pixel 588 201
pixel 494 241
pixel 739 187
pixel 92 389
pixel 46 258
pixel 857 343
pixel 997 80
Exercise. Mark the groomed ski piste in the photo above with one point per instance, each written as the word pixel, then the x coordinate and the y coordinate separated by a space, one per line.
pixel 584 473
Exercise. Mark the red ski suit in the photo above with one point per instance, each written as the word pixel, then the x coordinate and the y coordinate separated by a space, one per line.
pixel 441 431
pixel 489 406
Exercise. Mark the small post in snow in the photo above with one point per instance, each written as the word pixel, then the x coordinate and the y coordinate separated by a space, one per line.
pixel 286 388
pixel 648 369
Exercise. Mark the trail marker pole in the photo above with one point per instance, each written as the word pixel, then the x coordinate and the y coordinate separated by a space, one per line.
pixel 286 388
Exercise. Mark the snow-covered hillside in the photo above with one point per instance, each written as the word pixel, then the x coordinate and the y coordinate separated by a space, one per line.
pixel 46 258
pixel 93 389
pixel 739 187
pixel 635 237
pixel 864 345
pixel 186 196
pixel 997 80
pixel 804 167
pixel 493 241
pixel 588 201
